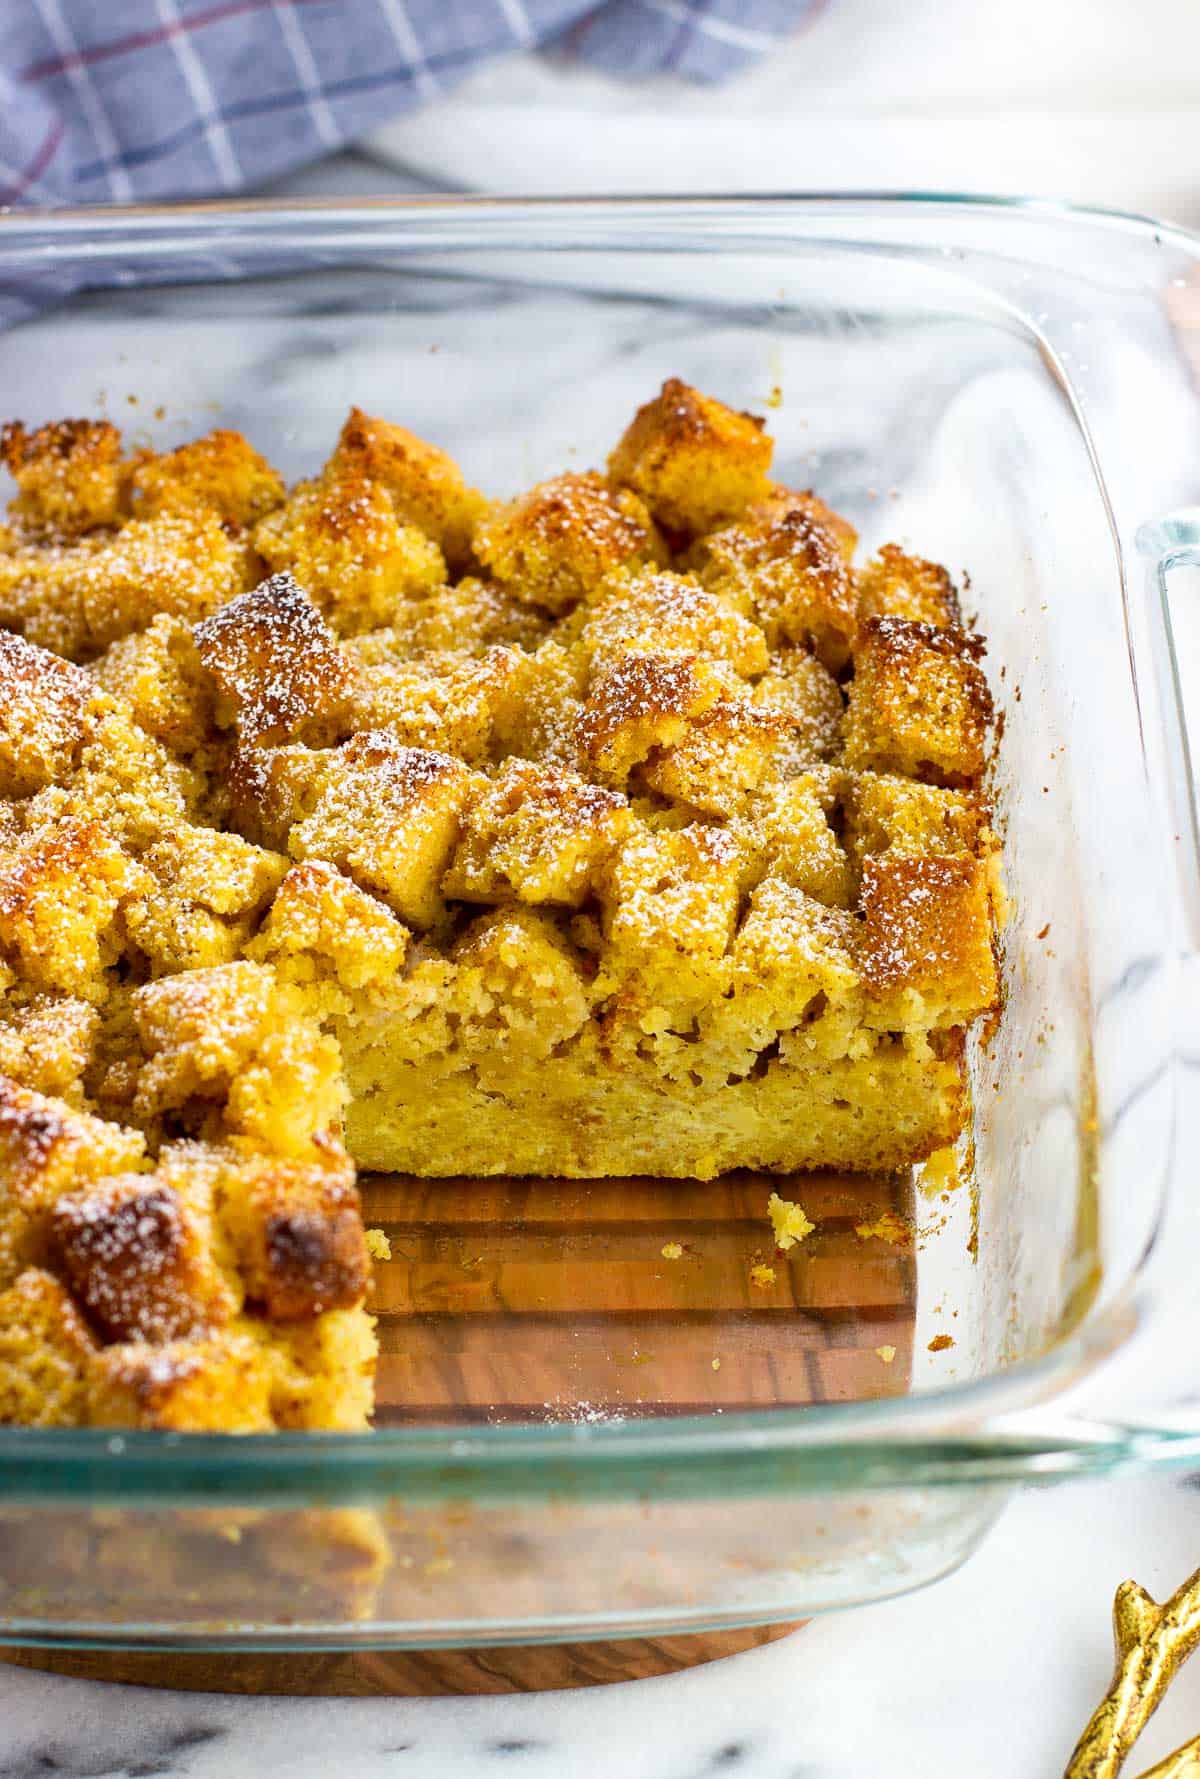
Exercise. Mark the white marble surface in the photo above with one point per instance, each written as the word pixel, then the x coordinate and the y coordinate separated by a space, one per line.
pixel 992 1671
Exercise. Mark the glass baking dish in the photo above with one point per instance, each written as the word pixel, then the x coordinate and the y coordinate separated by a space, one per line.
pixel 577 1436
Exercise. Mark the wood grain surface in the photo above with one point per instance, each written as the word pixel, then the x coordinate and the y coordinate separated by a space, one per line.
pixel 405 1673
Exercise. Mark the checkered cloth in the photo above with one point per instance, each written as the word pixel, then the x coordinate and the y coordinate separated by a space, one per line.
pixel 113 101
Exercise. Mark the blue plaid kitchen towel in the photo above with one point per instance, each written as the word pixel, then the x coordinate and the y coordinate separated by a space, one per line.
pixel 117 101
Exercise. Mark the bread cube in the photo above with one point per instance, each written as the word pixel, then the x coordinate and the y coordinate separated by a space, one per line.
pixel 296 1230
pixel 465 618
pixel 919 703
pixel 46 1354
pixel 552 545
pixel 451 702
pixel 389 815
pixel 272 788
pixel 670 903
pixel 208 889
pixel 787 835
pixel 79 599
pixel 219 1385
pixel 62 887
pixel 895 585
pixel 277 666
pixel 232 1049
pixel 662 614
pixel 885 813
pixel 797 685
pixel 43 713
pixel 341 538
pixel 139 1259
pixel 45 1149
pixel 220 473
pixel 47 1041
pixel 320 922
pixel 641 703
pixel 521 990
pixel 783 566
pixel 426 487
pixel 792 971
pixel 726 753
pixel 535 833
pixel 695 462
pixel 927 954
pixel 158 676
pixel 69 475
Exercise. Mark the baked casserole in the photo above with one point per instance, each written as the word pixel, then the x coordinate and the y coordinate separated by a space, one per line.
pixel 626 827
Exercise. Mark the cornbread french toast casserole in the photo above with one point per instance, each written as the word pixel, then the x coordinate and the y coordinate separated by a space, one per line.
pixel 624 827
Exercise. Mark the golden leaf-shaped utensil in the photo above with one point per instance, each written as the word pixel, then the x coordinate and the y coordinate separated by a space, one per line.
pixel 1152 1643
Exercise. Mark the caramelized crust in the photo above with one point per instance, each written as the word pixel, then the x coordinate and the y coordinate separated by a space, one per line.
pixel 220 473
pixel 623 827
pixel 894 585
pixel 919 703
pixel 693 461
pixel 69 475
pixel 550 547
pixel 425 486
pixel 276 665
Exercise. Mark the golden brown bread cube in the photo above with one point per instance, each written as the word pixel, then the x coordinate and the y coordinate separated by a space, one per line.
pixel 340 536
pixel 324 1371
pixel 219 1385
pixel 62 888
pixel 43 706
pixel 231 1048
pixel 662 614
pixel 927 943
pixel 296 1229
pixel 726 753
pixel 426 487
pixel 139 1259
pixel 388 815
pixel 670 904
pixel 886 812
pixel 797 685
pixel 919 703
pixel 47 1041
pixel 780 564
pixel 270 789
pixel 451 701
pixel 641 703
pixel 46 1147
pixel 895 585
pixel 321 922
pixel 206 891
pixel 46 1354
pixel 792 970
pixel 536 833
pixel 695 462
pixel 787 834
pixel 466 617
pixel 158 675
pixel 551 546
pixel 277 665
pixel 221 472
pixel 79 598
pixel 521 990
pixel 69 475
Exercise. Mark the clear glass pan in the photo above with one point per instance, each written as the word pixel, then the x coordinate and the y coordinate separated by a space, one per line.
pixel 999 386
